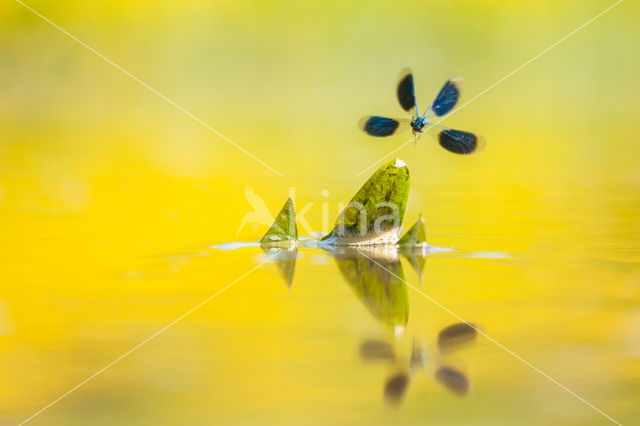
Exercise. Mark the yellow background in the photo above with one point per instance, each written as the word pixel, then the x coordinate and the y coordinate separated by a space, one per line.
pixel 110 198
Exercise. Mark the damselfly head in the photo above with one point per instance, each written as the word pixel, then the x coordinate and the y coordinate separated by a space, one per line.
pixel 417 125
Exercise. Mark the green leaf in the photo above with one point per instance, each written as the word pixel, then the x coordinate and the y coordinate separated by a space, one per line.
pixel 374 214
pixel 415 236
pixel 284 231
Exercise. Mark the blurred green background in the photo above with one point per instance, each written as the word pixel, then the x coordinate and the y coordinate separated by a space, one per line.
pixel 105 189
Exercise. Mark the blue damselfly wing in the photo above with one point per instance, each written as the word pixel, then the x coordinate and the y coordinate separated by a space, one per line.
pixel 406 91
pixel 446 99
pixel 458 141
pixel 375 125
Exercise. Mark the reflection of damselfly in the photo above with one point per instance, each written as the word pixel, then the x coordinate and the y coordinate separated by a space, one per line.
pixel 452 378
pixel 456 141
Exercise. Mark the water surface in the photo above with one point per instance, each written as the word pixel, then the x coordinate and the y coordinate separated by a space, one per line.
pixel 111 200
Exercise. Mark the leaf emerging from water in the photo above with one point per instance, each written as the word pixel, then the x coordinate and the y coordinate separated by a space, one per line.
pixel 284 231
pixel 415 236
pixel 374 214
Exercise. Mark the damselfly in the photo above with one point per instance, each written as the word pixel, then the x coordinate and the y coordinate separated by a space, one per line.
pixel 456 141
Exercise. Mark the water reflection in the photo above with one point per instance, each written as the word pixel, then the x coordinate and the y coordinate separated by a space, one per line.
pixel 417 257
pixel 395 387
pixel 285 260
pixel 447 371
pixel 374 273
pixel 377 350
pixel 453 380
pixel 376 277
pixel 377 281
pixel 456 336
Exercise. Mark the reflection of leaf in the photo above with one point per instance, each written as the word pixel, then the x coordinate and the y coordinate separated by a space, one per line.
pixel 395 387
pixel 377 209
pixel 453 380
pixel 285 259
pixel 376 284
pixel 456 335
pixel 417 257
pixel 413 246
pixel 284 230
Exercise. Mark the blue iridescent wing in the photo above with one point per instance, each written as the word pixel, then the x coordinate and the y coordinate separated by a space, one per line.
pixel 458 141
pixel 406 92
pixel 446 99
pixel 381 126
